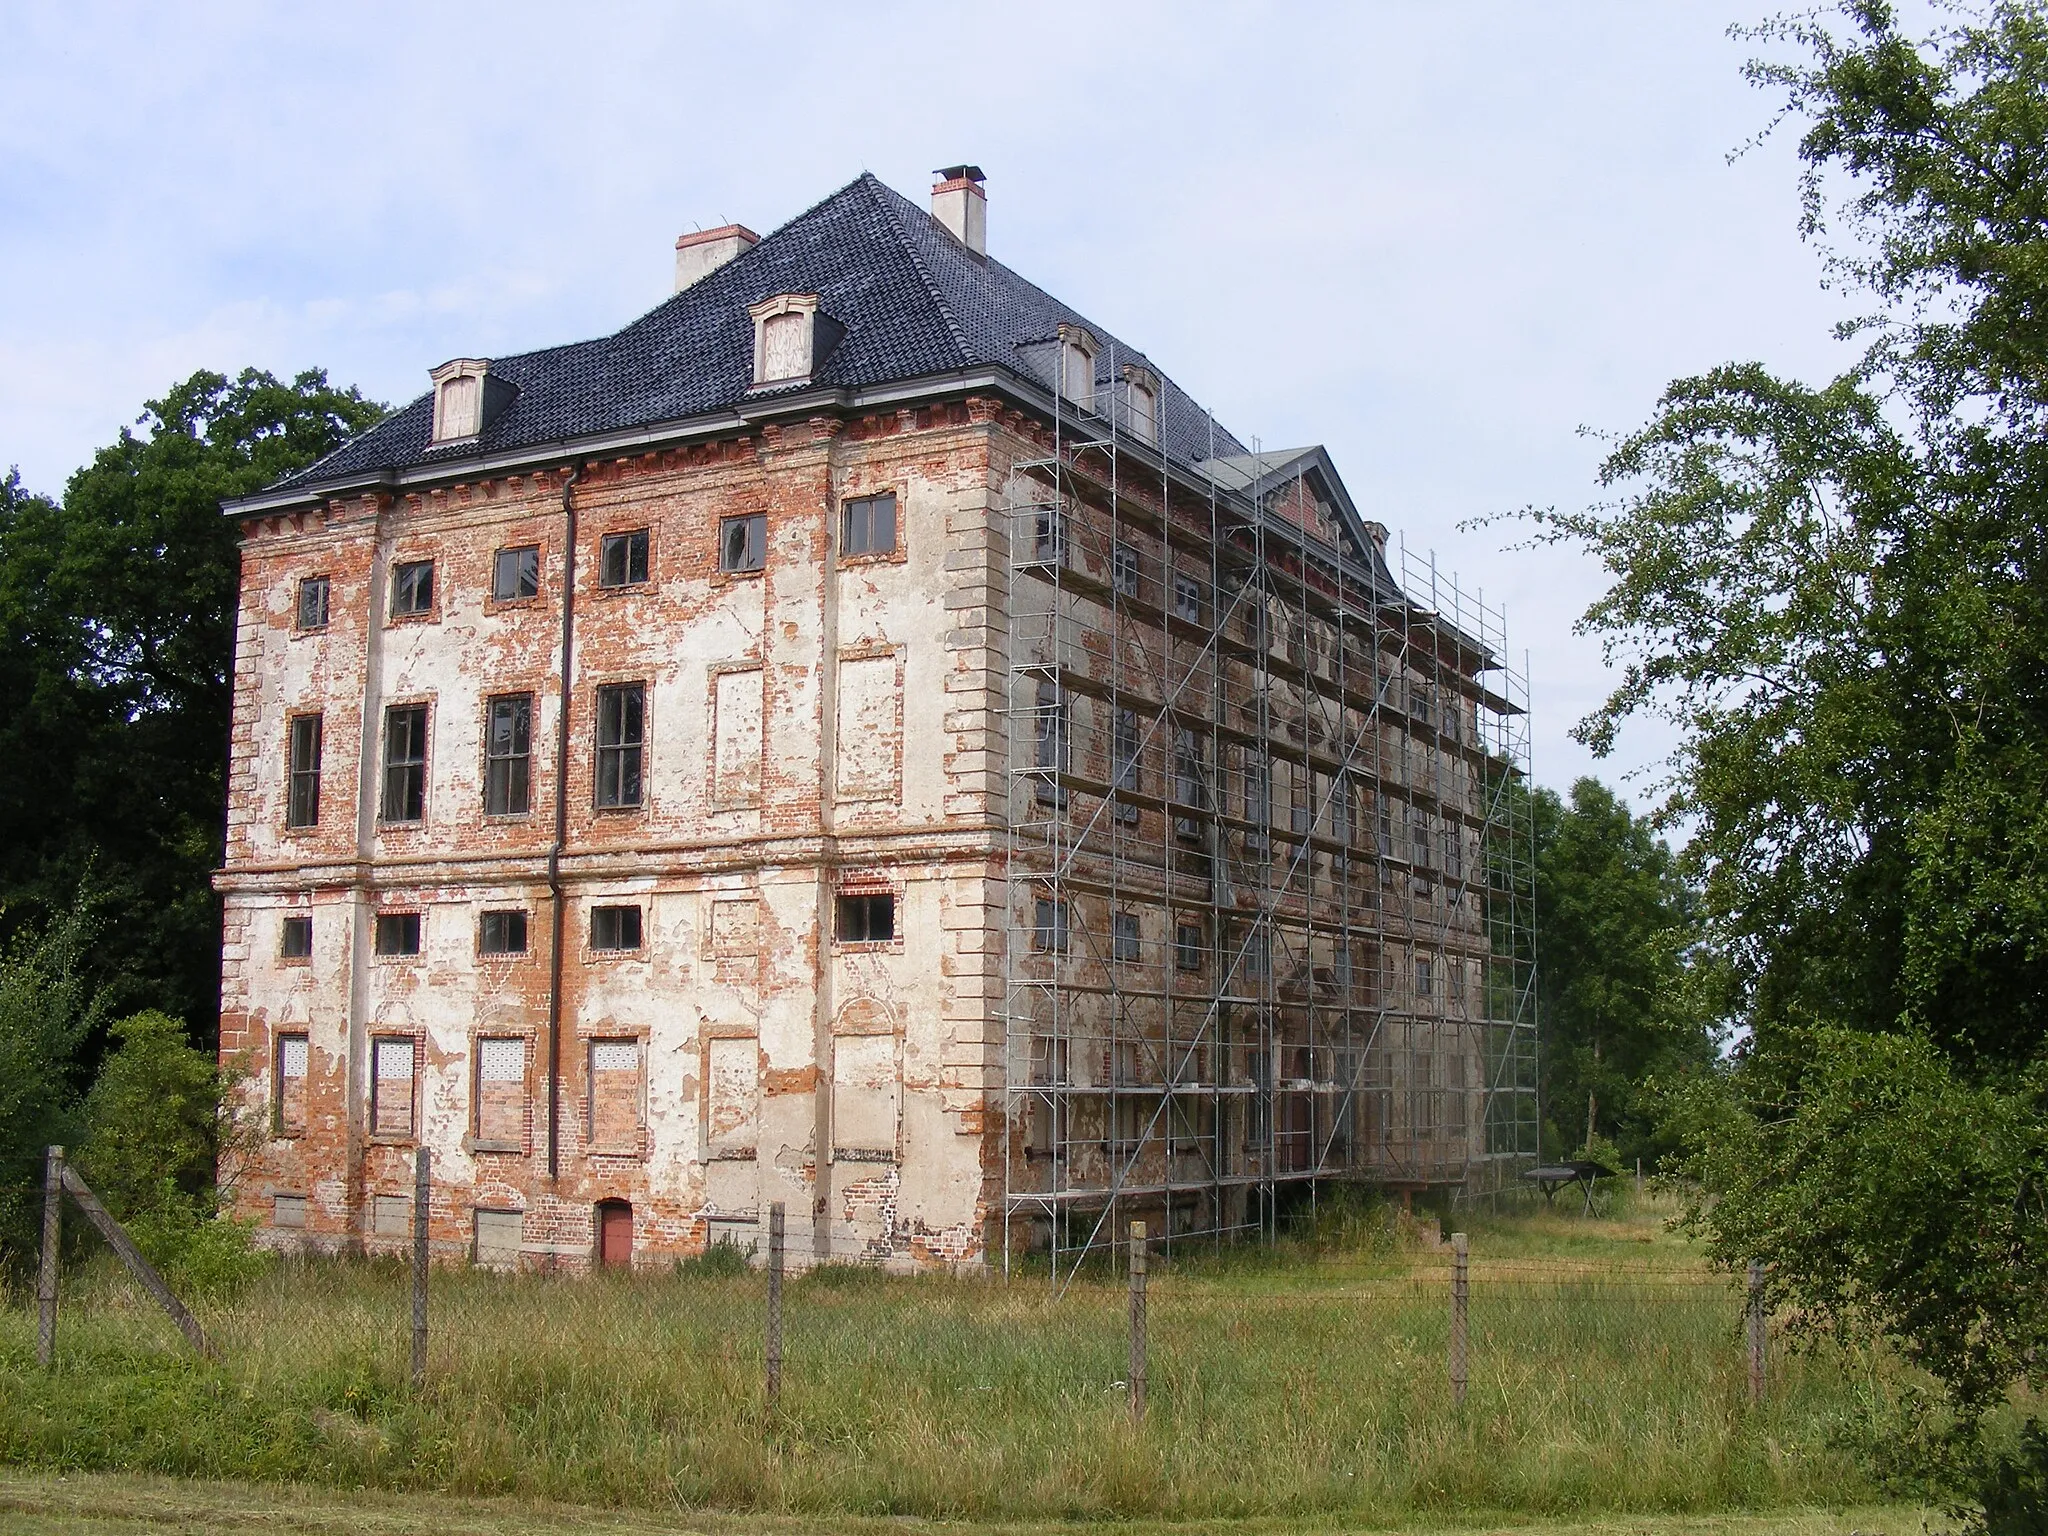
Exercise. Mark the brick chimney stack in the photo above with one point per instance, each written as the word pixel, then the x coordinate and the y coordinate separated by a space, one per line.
pixel 961 206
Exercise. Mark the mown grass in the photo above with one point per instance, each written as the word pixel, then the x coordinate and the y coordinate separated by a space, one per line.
pixel 1607 1377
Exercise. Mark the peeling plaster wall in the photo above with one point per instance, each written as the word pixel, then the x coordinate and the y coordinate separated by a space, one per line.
pixel 739 980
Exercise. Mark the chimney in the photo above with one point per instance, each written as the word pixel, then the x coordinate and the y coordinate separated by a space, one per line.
pixel 701 254
pixel 961 207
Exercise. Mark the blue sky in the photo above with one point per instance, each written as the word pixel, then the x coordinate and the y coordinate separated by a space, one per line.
pixel 1439 238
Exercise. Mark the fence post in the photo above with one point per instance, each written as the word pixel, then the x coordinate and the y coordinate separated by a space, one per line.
pixel 1136 1373
pixel 46 1277
pixel 1756 1333
pixel 775 1304
pixel 422 1189
pixel 1461 1285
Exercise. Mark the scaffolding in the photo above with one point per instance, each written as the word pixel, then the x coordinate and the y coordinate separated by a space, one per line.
pixel 1269 879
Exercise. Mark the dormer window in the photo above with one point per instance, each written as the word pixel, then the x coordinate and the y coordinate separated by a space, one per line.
pixel 1141 404
pixel 791 338
pixel 1077 366
pixel 466 398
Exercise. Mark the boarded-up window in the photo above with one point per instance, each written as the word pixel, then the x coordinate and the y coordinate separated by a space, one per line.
pixel 287 1210
pixel 391 1089
pixel 501 1092
pixel 864 1087
pixel 735 927
pixel 735 1092
pixel 498 1236
pixel 293 1059
pixel 786 346
pixel 736 739
pixel 391 1215
pixel 615 1095
pixel 870 729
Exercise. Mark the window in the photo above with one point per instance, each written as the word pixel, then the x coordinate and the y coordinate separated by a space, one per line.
pixel 412 588
pixel 390 1215
pixel 1189 781
pixel 1257 954
pixel 615 927
pixel 622 559
pixel 1125 941
pixel 1187 947
pixel 1386 830
pixel 1077 366
pixel 1049 926
pixel 1050 536
pixel 1054 754
pixel 1454 976
pixel 500 1237
pixel 1126 749
pixel 1418 828
pixel 1303 799
pixel 302 792
pixel 1123 569
pixel 1454 851
pixel 1424 976
pixel 405 762
pixel 865 919
pixel 615 1094
pixel 288 1111
pixel 743 542
pixel 398 933
pixel 295 939
pixel 1144 411
pixel 515 573
pixel 501 933
pixel 501 1092
pixel 1187 599
pixel 508 754
pixel 313 597
pixel 621 743
pixel 867 525
pixel 1258 793
pixel 288 1210
pixel 391 1085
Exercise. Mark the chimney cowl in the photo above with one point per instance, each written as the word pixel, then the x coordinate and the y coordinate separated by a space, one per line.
pixel 703 253
pixel 960 206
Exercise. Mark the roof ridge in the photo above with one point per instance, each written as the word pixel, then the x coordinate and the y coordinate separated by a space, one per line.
pixel 874 186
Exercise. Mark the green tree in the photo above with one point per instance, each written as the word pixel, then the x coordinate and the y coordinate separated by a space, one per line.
pixel 1837 596
pixel 117 628
pixel 47 1009
pixel 1613 928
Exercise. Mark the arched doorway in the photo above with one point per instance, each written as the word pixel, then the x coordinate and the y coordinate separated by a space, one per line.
pixel 614 1234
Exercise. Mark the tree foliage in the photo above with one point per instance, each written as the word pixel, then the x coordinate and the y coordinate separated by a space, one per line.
pixel 117 615
pixel 47 1009
pixel 1614 924
pixel 1837 595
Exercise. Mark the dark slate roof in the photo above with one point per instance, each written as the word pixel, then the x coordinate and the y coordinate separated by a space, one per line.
pixel 914 303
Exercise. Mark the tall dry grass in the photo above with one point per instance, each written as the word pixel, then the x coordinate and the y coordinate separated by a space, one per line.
pixel 1607 1375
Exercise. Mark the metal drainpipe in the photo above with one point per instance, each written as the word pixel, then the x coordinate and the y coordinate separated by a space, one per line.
pixel 561 827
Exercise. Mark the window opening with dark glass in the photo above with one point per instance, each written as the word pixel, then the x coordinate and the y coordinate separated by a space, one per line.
pixel 1424 976
pixel 743 542
pixel 313 596
pixel 622 559
pixel 615 927
pixel 864 918
pixel 296 941
pixel 1126 944
pixel 515 573
pixel 1052 535
pixel 1128 740
pixel 412 587
pixel 1187 599
pixel 398 933
pixel 502 933
pixel 302 798
pixel 621 743
pixel 1123 569
pixel 867 525
pixel 1187 946
pixel 405 762
pixel 1054 754
pixel 508 755
pixel 1049 926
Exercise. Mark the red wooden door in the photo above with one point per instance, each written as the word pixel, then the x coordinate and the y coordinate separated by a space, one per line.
pixel 615 1233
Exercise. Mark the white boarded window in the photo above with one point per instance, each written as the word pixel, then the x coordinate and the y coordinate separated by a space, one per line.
pixel 1144 414
pixel 391 1216
pixel 864 1096
pixel 786 346
pixel 391 1091
pixel 456 408
pixel 736 739
pixel 293 1060
pixel 287 1210
pixel 734 1085
pixel 501 1092
pixel 1077 367
pixel 615 1095
pixel 870 729
pixel 498 1238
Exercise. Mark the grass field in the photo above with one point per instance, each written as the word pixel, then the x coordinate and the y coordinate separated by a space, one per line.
pixel 1304 1385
